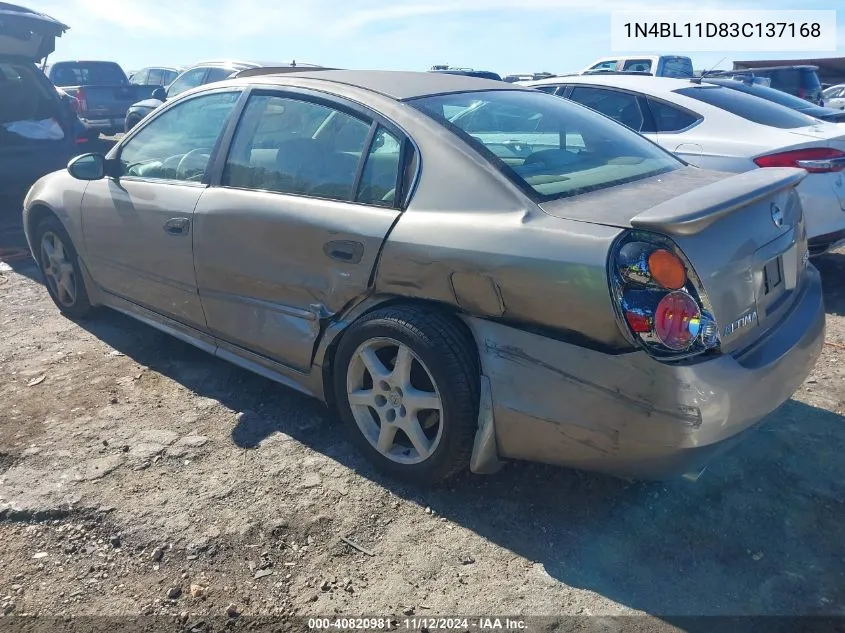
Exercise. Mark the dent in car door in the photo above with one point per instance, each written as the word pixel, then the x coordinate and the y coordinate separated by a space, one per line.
pixel 281 246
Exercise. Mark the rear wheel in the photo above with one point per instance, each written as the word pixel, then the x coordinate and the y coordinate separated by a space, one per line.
pixel 59 264
pixel 406 381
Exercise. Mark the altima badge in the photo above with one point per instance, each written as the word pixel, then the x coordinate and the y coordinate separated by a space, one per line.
pixel 777 215
pixel 740 323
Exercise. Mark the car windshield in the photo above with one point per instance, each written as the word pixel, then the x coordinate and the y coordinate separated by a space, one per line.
pixel 88 74
pixel 748 107
pixel 550 147
pixel 769 94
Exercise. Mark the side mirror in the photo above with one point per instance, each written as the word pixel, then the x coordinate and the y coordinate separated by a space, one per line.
pixel 160 94
pixel 87 167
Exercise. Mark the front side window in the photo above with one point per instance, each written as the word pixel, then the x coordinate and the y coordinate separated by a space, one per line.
pixel 154 77
pixel 559 148
pixel 296 147
pixel 189 79
pixel 177 144
pixel 620 106
pixel 748 107
pixel 169 77
pixel 547 89
pixel 610 64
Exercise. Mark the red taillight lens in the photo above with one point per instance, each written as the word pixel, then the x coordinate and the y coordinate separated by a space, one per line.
pixel 815 160
pixel 802 93
pixel 677 320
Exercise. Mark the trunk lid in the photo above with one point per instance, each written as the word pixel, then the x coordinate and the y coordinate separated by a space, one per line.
pixel 26 34
pixel 743 234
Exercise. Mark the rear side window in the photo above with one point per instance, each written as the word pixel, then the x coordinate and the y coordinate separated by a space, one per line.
pixel 668 118
pixel 637 65
pixel 748 107
pixel 153 78
pixel 620 106
pixel 218 74
pixel 549 89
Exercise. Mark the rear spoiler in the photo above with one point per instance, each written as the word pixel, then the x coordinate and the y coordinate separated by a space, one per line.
pixel 277 70
pixel 695 210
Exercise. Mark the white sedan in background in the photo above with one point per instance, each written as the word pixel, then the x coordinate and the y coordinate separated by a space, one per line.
pixel 834 97
pixel 717 128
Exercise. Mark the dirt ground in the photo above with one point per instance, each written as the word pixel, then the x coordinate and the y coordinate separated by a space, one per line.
pixel 143 477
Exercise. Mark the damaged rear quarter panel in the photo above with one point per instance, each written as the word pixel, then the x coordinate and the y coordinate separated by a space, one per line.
pixel 522 266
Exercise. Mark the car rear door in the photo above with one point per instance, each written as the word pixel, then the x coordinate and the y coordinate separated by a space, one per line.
pixel 290 237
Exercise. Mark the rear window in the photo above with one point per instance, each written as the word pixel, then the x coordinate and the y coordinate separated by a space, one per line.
pixel 87 74
pixel 770 94
pixel 680 67
pixel 748 107
pixel 550 147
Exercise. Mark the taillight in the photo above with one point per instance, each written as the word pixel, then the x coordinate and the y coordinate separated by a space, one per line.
pixel 802 93
pixel 81 102
pixel 660 297
pixel 816 160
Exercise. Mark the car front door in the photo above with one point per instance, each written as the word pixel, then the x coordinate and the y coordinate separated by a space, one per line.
pixel 138 226
pixel 290 237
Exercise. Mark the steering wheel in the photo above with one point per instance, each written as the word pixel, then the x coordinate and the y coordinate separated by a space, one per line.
pixel 193 160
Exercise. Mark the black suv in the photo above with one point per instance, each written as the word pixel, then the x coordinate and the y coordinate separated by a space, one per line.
pixel 801 81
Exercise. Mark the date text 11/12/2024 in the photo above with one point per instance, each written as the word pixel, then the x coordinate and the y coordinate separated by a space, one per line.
pixel 416 624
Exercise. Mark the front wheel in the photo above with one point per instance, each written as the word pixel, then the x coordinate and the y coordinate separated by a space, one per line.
pixel 59 264
pixel 407 386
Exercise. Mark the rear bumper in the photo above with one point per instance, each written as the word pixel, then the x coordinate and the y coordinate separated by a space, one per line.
pixel 108 126
pixel 824 209
pixel 629 415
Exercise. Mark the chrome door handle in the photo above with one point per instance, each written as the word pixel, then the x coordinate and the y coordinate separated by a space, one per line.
pixel 177 226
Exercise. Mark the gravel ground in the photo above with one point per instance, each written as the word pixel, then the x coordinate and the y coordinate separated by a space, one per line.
pixel 143 477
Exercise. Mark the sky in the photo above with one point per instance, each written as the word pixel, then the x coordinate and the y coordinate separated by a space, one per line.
pixel 505 36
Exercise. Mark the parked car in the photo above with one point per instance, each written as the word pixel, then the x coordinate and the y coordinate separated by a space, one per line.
pixel 834 97
pixel 200 74
pixel 527 77
pixel 38 129
pixel 444 258
pixel 101 89
pixel 154 76
pixel 719 128
pixel 467 72
pixel 828 114
pixel 657 65
pixel 801 81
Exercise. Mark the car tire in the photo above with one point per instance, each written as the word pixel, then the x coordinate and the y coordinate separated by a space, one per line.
pixel 432 396
pixel 59 263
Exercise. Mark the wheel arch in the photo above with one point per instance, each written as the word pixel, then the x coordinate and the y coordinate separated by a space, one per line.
pixel 330 341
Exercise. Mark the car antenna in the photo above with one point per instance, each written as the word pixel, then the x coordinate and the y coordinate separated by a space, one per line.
pixel 697 80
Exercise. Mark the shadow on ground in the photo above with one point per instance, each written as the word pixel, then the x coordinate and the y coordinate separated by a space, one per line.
pixel 832 268
pixel 759 533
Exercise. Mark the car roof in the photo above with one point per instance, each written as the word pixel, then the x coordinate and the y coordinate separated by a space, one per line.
pixel 396 84
pixel 642 83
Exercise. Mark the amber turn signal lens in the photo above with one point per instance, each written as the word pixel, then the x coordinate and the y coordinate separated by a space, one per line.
pixel 667 269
